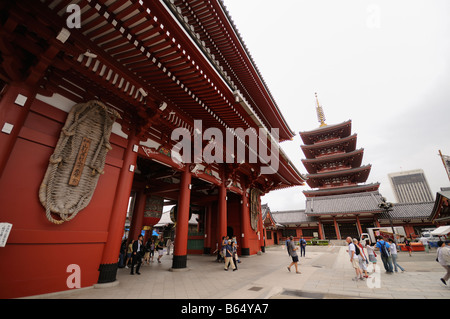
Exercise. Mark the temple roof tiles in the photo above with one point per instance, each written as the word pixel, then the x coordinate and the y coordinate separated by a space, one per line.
pixel 342 204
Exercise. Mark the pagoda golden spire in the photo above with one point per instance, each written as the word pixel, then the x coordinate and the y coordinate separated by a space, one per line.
pixel 320 113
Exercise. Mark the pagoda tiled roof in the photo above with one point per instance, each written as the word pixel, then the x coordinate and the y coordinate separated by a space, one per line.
pixel 409 211
pixel 343 204
pixel 292 217
pixel 345 126
pixel 350 140
pixel 342 190
pixel 359 174
pixel 354 157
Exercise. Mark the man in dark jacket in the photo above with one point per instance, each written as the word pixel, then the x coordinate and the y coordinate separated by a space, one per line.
pixel 136 256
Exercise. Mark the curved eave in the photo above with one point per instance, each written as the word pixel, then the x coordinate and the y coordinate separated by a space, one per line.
pixel 218 35
pixel 358 175
pixel 348 142
pixel 342 190
pixel 346 126
pixel 355 160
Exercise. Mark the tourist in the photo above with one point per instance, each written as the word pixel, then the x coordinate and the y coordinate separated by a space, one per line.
pixel 219 254
pixel 293 253
pixel 152 250
pixel 224 245
pixel 354 259
pixel 234 253
pixel 288 240
pixel 229 256
pixel 160 249
pixel 386 258
pixel 393 251
pixel 362 259
pixel 122 253
pixel 147 252
pixel 138 252
pixel 168 245
pixel 234 240
pixel 424 242
pixel 408 245
pixel 372 255
pixel 302 247
pixel 443 257
pixel 129 253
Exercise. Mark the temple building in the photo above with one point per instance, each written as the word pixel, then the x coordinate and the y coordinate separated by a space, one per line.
pixel 339 203
pixel 103 101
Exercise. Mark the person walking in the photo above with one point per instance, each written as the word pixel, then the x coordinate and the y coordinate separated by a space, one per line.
pixel 152 250
pixel 122 253
pixel 219 254
pixel 386 258
pixel 408 246
pixel 293 253
pixel 362 259
pixel 129 254
pixel 223 247
pixel 424 242
pixel 288 240
pixel 372 255
pixel 160 249
pixel 302 247
pixel 354 259
pixel 393 251
pixel 443 258
pixel 234 253
pixel 229 256
pixel 147 252
pixel 138 252
pixel 168 245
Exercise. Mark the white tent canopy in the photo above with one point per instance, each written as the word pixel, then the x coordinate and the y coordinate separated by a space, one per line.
pixel 441 231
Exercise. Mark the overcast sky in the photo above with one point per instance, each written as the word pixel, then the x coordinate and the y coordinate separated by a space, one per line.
pixel 383 64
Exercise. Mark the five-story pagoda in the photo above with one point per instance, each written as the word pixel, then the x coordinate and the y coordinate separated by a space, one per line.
pixel 332 160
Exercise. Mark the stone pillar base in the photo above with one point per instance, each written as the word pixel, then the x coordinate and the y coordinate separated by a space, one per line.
pixel 179 262
pixel 108 273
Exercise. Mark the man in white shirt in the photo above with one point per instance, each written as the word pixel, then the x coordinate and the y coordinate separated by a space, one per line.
pixel 354 259
pixel 443 257
pixel 424 242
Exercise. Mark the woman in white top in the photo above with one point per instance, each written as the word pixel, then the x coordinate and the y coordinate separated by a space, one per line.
pixel 393 251
pixel 443 257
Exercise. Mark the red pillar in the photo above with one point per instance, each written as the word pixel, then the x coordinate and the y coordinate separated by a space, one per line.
pixel 13 113
pixel 138 216
pixel 181 231
pixel 336 227
pixel 222 208
pixel 208 244
pixel 320 231
pixel 377 223
pixel 359 225
pixel 108 266
pixel 262 231
pixel 245 225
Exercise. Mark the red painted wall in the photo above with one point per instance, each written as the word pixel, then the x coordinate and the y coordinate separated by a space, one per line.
pixel 38 252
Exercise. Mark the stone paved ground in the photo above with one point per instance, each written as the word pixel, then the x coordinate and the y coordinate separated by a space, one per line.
pixel 325 273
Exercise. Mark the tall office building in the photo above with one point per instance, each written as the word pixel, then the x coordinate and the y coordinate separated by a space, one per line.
pixel 411 187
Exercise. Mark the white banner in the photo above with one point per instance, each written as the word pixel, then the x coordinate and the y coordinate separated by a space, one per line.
pixel 5 229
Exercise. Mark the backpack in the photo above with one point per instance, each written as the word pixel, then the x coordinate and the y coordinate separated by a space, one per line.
pixel 384 251
pixel 357 250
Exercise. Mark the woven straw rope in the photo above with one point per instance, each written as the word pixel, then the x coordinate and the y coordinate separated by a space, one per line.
pixel 94 121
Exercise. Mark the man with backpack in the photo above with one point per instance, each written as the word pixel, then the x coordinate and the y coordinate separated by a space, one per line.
pixel 383 247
